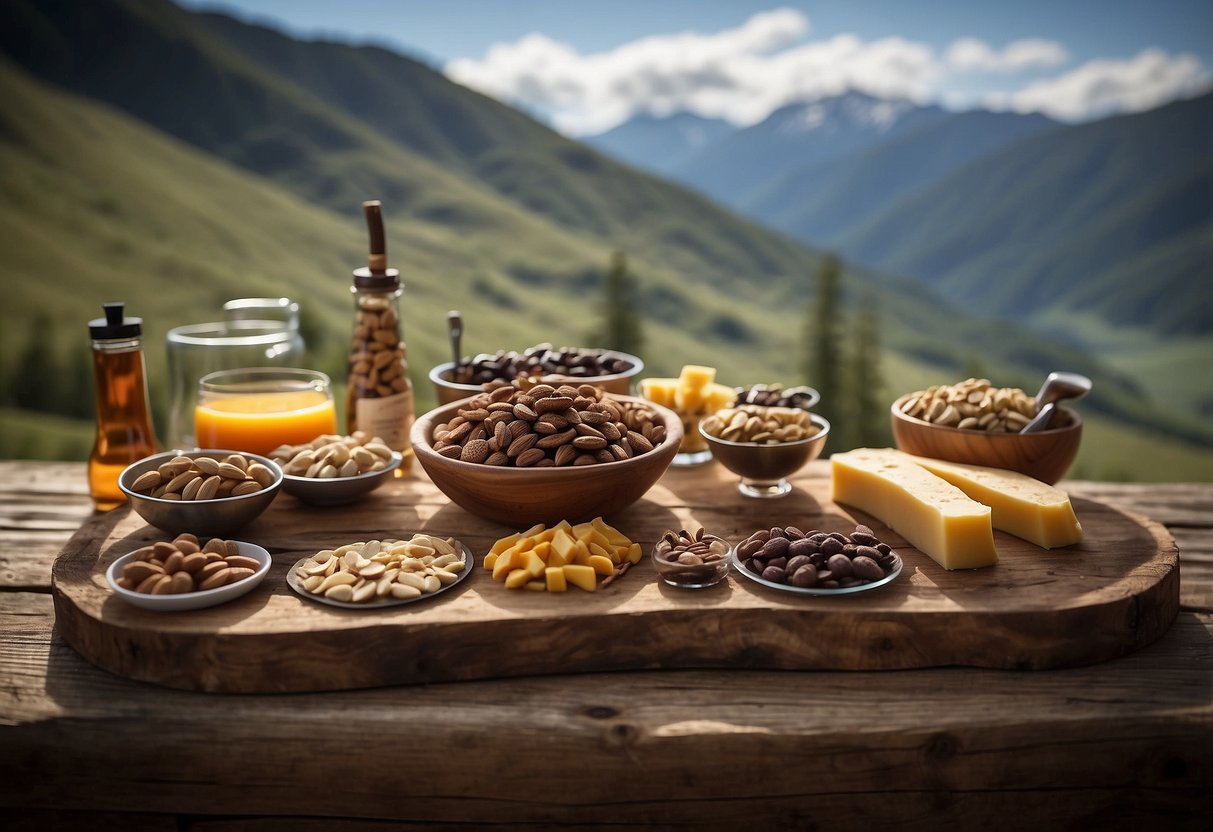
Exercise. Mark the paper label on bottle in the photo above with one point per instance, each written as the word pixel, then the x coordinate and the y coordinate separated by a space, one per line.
pixel 390 418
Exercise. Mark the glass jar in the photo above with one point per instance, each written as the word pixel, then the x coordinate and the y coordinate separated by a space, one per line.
pixel 124 420
pixel 379 394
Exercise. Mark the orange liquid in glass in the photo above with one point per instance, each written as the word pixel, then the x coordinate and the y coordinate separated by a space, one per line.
pixel 260 422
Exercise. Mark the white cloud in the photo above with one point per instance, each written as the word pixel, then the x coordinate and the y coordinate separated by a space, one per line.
pixel 973 55
pixel 1103 87
pixel 739 74
pixel 744 73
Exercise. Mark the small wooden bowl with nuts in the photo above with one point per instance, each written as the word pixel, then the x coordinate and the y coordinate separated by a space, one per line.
pixel 336 470
pixel 1045 455
pixel 205 492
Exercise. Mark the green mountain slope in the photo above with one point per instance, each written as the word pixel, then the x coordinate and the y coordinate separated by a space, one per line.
pixel 98 205
pixel 1061 219
pixel 817 203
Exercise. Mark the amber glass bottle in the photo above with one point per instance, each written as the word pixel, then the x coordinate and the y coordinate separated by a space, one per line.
pixel 124 421
pixel 379 394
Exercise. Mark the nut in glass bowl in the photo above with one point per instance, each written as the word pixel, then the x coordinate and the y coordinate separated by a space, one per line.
pixel 691 561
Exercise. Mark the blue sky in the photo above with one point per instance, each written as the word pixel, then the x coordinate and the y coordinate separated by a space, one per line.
pixel 586 66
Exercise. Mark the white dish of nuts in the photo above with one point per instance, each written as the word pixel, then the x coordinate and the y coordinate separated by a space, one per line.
pixel 381 573
pixel 231 571
pixel 335 470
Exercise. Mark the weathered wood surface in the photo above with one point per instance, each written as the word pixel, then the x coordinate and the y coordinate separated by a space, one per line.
pixel 1114 743
pixel 1112 593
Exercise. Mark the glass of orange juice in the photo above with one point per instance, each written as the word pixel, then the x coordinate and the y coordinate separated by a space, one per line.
pixel 256 409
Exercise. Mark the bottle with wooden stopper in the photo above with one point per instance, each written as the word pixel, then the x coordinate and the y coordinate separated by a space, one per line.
pixel 379 395
pixel 124 420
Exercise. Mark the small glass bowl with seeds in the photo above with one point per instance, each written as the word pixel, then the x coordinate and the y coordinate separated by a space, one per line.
pixel 691 560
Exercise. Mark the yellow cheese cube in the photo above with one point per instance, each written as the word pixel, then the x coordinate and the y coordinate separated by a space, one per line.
pixel 719 397
pixel 581 576
pixel 505 563
pixel 614 536
pixel 534 564
pixel 517 578
pixel 581 553
pixel 696 376
pixel 1019 504
pixel 635 553
pixel 554 578
pixel 601 565
pixel 601 551
pixel 563 545
pixel 659 390
pixel 504 543
pixel 555 558
pixel 489 560
pixel 935 516
pixel 535 586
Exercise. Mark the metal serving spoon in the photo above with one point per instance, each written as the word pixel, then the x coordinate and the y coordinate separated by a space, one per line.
pixel 1057 386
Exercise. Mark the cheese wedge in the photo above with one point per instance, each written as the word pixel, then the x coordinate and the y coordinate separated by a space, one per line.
pixel 1020 505
pixel 936 517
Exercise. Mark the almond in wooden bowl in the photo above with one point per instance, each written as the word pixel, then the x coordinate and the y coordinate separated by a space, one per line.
pixel 520 496
pixel 1045 455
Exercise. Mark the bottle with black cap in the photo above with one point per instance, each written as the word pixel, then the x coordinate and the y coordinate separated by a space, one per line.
pixel 379 394
pixel 124 419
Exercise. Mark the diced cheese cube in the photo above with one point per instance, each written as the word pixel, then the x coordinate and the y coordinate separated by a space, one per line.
pixel 635 553
pixel 506 562
pixel 583 577
pixel 601 565
pixel 505 543
pixel 696 376
pixel 554 578
pixel 517 578
pixel 1019 504
pixel 935 516
pixel 535 586
pixel 534 564
pixel 659 390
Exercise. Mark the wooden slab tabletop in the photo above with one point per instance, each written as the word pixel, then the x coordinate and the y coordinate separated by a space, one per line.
pixel 1112 593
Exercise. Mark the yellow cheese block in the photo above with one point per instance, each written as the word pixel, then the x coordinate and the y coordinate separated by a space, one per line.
pixel 1020 505
pixel 933 515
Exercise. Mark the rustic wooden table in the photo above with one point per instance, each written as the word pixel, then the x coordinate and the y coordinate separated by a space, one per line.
pixel 1113 743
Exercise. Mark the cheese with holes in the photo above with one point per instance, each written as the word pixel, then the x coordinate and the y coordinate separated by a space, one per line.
pixel 936 517
pixel 1019 504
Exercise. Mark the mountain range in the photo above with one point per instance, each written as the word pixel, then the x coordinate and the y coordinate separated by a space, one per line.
pixel 1015 214
pixel 178 159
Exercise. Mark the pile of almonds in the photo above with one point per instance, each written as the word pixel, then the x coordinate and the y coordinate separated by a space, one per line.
pixel 180 566
pixel 828 560
pixel 204 478
pixel 329 456
pixel 972 405
pixel 528 424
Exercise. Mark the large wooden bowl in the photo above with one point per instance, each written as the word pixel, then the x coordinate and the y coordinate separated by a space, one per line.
pixel 520 497
pixel 1045 455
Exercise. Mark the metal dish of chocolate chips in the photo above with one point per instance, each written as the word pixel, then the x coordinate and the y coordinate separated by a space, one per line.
pixel 812 563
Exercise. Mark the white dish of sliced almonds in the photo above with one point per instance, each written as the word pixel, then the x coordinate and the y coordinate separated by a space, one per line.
pixel 381 573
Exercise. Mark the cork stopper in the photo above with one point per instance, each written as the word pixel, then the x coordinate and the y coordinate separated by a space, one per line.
pixel 376 275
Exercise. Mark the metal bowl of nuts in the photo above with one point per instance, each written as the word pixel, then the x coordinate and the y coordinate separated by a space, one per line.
pixel 336 470
pixel 206 492
pixel 547 452
pixel 995 443
pixel 611 370
pixel 764 445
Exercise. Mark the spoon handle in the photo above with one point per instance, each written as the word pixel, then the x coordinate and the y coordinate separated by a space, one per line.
pixel 454 323
pixel 1041 420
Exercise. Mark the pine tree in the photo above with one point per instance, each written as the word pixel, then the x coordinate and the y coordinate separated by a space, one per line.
pixel 868 420
pixel 622 329
pixel 822 357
